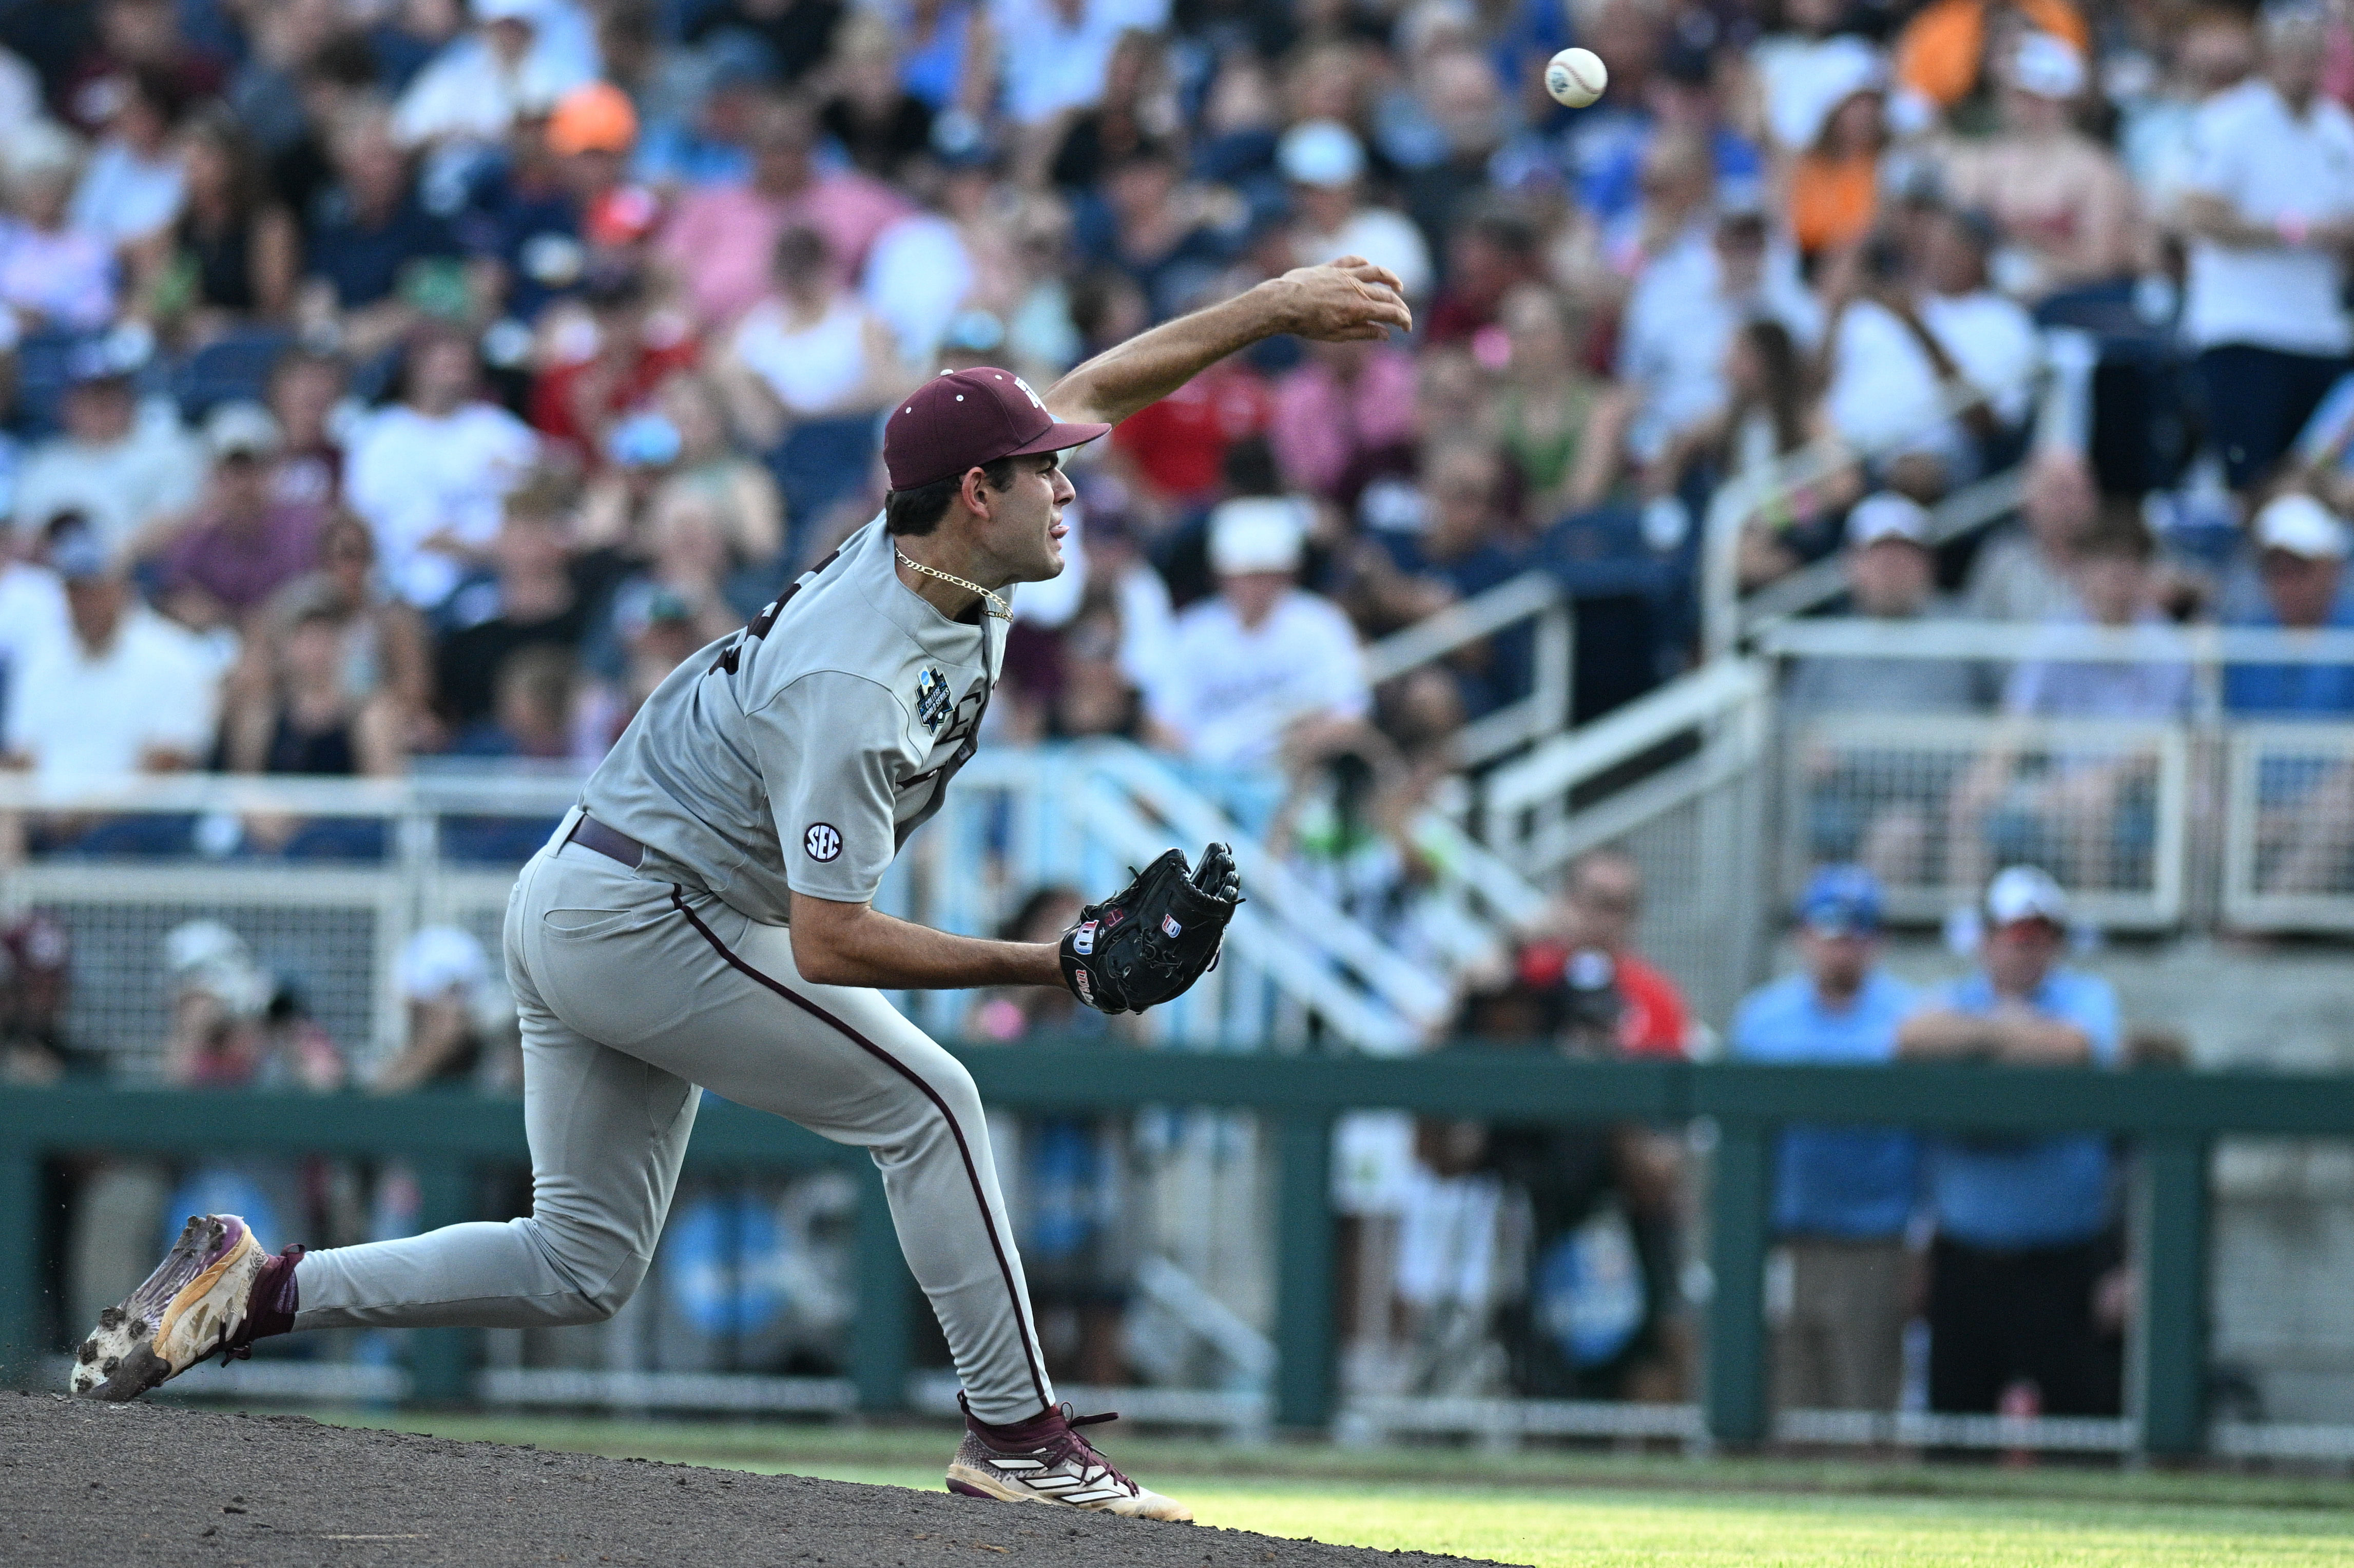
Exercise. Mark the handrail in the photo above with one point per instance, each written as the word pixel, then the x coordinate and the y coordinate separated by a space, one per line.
pixel 1509 895
pixel 294 794
pixel 1285 947
pixel 1305 914
pixel 1463 622
pixel 1859 637
pixel 2174 1117
pixel 1969 508
pixel 1545 711
pixel 1711 691
pixel 1737 500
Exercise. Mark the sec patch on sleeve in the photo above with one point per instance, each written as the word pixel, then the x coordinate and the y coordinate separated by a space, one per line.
pixel 823 841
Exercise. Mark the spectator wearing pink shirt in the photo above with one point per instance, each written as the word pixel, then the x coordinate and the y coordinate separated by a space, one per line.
pixel 721 241
pixel 1346 403
pixel 244 543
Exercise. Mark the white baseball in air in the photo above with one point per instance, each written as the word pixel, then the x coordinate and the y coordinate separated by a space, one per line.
pixel 1577 76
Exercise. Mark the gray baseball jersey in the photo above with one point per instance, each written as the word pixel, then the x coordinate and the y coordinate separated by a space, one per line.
pixel 796 756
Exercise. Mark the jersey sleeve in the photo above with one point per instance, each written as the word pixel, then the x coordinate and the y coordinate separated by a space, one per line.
pixel 829 743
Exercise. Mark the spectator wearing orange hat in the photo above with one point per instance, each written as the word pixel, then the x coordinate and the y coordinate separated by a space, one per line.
pixel 531 218
pixel 1942 51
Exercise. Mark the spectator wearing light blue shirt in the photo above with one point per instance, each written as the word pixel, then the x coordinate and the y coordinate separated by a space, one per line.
pixel 2019 1220
pixel 1842 1196
pixel 2304 822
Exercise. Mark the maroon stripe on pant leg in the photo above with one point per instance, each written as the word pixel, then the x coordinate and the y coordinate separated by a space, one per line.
pixel 971 1171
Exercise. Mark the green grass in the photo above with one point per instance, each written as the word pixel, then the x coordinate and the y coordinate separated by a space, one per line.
pixel 1554 1510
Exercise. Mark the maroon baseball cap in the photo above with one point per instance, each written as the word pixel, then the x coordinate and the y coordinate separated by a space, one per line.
pixel 960 420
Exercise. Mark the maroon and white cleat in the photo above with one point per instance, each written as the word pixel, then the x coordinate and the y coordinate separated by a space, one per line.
pixel 200 1302
pixel 1043 1460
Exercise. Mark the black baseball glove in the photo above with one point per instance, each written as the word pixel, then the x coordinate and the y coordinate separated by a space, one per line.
pixel 1154 940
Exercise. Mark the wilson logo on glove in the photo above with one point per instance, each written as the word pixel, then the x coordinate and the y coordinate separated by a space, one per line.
pixel 1154 939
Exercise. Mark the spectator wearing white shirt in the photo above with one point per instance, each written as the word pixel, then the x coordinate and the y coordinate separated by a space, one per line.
pixel 1893 358
pixel 1057 53
pixel 32 613
pixel 428 474
pixel 520 54
pixel 53 274
pixel 1325 164
pixel 1263 662
pixel 125 691
pixel 2268 203
pixel 133 187
pixel 1684 312
pixel 130 471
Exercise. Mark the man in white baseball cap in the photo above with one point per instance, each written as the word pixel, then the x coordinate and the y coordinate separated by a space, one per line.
pixel 1891 576
pixel 1324 163
pixel 2305 803
pixel 2301 550
pixel 1262 656
pixel 1864 807
pixel 2020 1219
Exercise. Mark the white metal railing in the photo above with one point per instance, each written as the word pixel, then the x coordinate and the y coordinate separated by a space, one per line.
pixel 1966 509
pixel 1532 596
pixel 1737 501
pixel 1527 803
pixel 2277 792
pixel 1081 815
pixel 1014 819
pixel 2289 827
pixel 1934 803
pixel 2004 642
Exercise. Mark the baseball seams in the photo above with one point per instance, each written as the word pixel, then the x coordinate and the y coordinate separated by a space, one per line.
pixel 956 1130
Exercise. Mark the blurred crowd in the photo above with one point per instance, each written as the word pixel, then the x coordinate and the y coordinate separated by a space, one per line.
pixel 389 378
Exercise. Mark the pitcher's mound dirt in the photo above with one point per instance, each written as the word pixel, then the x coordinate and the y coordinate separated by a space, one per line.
pixel 136 1484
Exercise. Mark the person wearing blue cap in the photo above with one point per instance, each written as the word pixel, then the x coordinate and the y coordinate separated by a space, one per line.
pixel 1842 1196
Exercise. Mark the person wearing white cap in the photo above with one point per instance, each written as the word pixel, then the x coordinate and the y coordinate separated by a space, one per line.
pixel 1324 163
pixel 2305 822
pixel 2018 1219
pixel 2301 551
pixel 458 1011
pixel 1261 657
pixel 2268 204
pixel 1891 577
pixel 2063 202
pixel 1865 807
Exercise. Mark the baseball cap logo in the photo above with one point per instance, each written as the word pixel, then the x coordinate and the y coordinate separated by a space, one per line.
pixel 1030 394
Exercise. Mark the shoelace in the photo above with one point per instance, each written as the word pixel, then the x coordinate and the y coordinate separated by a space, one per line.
pixel 1072 1447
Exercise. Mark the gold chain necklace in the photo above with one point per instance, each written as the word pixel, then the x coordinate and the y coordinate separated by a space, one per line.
pixel 996 605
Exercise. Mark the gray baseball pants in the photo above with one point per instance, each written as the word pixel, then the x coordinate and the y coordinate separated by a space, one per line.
pixel 630 993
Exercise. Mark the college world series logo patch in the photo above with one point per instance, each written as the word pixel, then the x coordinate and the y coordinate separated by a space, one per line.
pixel 932 704
pixel 823 841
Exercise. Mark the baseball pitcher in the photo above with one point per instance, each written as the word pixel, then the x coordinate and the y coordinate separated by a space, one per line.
pixel 704 917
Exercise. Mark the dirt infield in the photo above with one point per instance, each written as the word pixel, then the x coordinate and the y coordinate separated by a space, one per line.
pixel 88 1484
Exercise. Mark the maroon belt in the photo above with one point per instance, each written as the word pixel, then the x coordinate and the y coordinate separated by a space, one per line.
pixel 610 842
